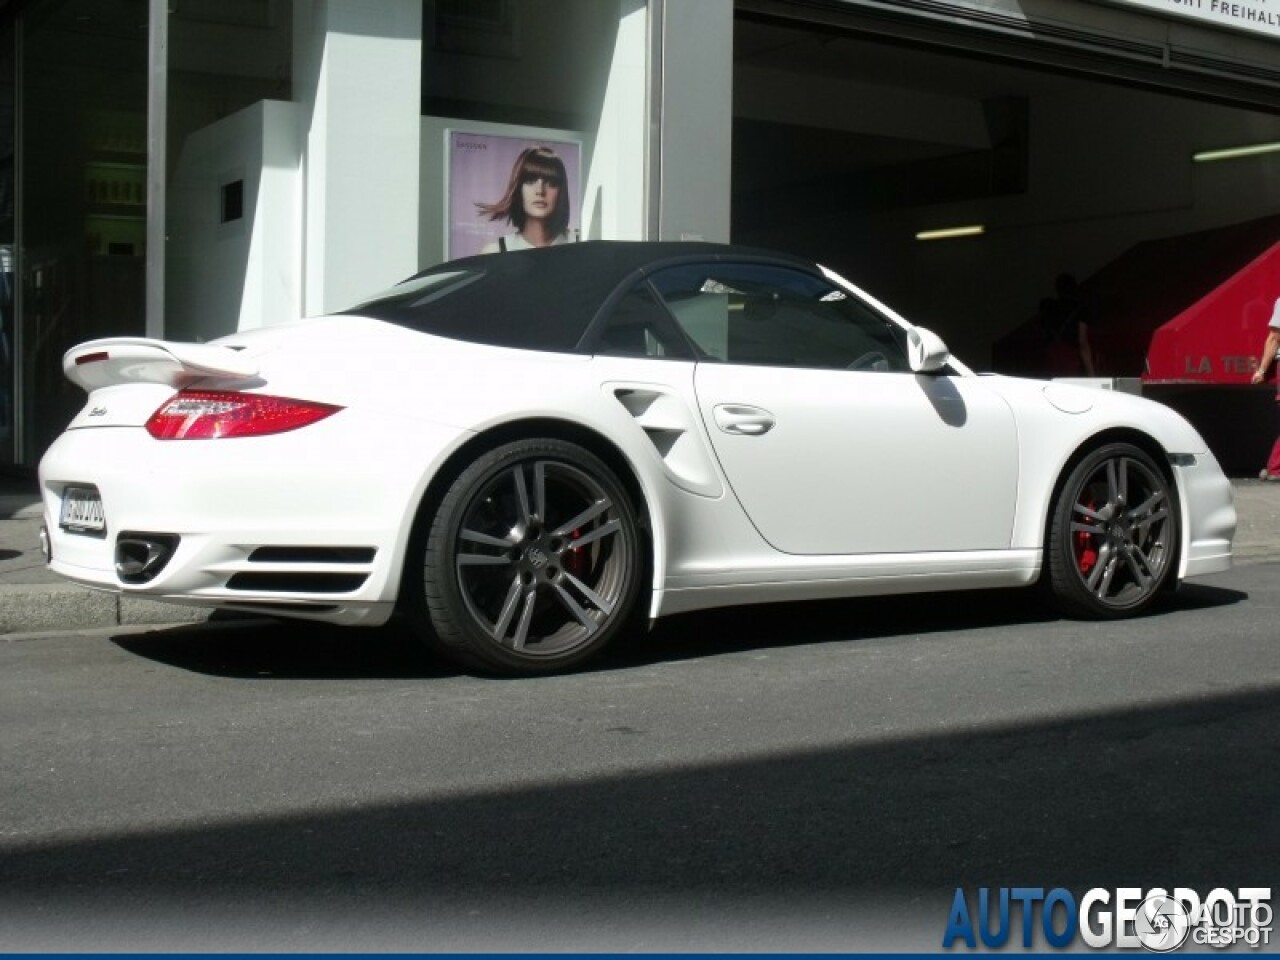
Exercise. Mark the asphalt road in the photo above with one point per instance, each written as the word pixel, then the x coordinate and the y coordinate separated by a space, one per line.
pixel 800 777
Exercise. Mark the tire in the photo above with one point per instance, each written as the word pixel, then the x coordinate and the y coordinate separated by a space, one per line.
pixel 533 561
pixel 1113 535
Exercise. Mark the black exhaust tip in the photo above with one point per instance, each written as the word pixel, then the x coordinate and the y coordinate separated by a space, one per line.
pixel 141 556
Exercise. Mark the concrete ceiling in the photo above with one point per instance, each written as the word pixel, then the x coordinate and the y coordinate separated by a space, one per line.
pixel 813 105
pixel 809 52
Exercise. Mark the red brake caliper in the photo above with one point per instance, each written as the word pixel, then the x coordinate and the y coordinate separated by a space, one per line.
pixel 572 560
pixel 1086 556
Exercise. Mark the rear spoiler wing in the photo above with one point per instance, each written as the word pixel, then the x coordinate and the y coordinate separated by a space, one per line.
pixel 104 363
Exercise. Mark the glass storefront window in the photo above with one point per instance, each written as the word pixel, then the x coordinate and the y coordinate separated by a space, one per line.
pixel 81 254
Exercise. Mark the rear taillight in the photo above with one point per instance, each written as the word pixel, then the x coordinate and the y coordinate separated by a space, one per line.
pixel 208 414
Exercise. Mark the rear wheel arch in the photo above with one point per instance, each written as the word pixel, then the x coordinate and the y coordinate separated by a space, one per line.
pixel 550 429
pixel 474 448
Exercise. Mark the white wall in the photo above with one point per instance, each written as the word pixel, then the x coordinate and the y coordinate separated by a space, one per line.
pixel 694 121
pixel 245 273
pixel 358 78
pixel 616 199
pixel 330 180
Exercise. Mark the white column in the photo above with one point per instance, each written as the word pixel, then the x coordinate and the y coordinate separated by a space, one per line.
pixel 357 77
pixel 614 204
pixel 157 163
pixel 691 109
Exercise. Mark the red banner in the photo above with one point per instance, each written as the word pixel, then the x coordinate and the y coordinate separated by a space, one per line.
pixel 1218 338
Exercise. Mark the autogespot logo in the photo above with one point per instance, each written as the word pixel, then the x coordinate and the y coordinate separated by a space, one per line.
pixel 1162 924
pixel 1125 918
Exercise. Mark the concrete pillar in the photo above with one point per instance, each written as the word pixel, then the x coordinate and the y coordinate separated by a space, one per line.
pixel 357 78
pixel 614 202
pixel 691 119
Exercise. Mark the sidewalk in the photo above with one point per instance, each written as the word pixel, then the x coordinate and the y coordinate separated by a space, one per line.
pixel 33 599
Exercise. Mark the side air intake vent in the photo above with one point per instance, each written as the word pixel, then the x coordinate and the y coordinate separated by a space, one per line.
pixel 293 582
pixel 675 433
pixel 312 555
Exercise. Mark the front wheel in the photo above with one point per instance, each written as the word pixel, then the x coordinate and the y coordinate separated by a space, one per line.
pixel 1113 535
pixel 533 561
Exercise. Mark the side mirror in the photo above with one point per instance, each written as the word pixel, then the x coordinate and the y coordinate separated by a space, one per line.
pixel 925 351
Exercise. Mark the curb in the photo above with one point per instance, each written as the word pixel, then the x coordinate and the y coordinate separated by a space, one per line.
pixel 40 608
pixel 19 508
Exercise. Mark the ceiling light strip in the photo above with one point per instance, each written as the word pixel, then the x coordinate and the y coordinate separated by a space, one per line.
pixel 1231 153
pixel 950 233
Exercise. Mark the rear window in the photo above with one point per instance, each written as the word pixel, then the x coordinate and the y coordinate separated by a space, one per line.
pixel 407 299
pixel 512 304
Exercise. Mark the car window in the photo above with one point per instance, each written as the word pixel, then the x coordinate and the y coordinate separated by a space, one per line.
pixel 775 316
pixel 415 292
pixel 639 326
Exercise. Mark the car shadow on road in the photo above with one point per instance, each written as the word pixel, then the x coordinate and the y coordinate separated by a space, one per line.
pixel 866 619
pixel 257 649
pixel 280 649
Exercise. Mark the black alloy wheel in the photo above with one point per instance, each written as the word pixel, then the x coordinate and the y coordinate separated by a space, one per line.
pixel 533 560
pixel 1113 537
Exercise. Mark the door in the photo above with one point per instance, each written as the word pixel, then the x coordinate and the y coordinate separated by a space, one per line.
pixel 829 441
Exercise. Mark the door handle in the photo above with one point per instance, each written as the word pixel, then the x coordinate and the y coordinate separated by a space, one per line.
pixel 743 420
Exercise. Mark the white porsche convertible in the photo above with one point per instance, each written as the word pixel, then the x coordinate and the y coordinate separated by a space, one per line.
pixel 527 454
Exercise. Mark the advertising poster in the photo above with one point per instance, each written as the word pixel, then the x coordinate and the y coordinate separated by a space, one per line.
pixel 510 192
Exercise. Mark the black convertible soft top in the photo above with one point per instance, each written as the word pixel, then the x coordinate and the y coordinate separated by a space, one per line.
pixel 541 299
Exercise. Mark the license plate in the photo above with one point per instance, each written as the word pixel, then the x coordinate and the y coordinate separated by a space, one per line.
pixel 82 512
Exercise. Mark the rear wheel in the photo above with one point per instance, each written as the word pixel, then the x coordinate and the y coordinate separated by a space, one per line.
pixel 533 561
pixel 1113 534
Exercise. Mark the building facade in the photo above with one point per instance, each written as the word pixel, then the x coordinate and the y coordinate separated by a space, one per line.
pixel 185 168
